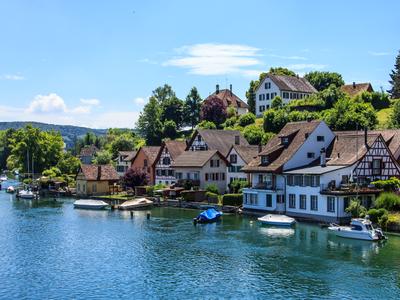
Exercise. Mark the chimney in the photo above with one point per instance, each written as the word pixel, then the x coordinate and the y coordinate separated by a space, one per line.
pixel 230 88
pixel 237 140
pixel 259 148
pixel 217 89
pixel 354 85
pixel 323 158
pixel 98 172
pixel 366 137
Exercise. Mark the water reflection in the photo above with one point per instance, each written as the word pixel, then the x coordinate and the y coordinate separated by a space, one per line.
pixel 276 231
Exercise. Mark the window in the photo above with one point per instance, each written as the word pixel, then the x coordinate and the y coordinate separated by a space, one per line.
pixel 84 187
pixel 331 204
pixel 233 158
pixel 320 138
pixel 170 172
pixel 94 187
pixel 206 177
pixel 267 96
pixel 290 180
pixel 262 108
pixel 145 163
pixel 303 199
pixel 285 95
pixel 267 85
pixel 264 159
pixel 214 163
pixel 222 176
pixel 314 202
pixel 307 180
pixel 166 161
pixel 310 154
pixel 376 166
pixel 79 187
pixel 298 180
pixel 263 96
pixel 268 200
pixel 315 181
pixel 284 140
pixel 292 201
pixel 259 97
pixel 195 176
pixel 178 175
pixel 251 199
pixel 280 199
pixel 188 176
pixel 199 138
pixel 346 203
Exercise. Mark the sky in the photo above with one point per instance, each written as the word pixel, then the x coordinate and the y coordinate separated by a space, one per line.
pixel 95 63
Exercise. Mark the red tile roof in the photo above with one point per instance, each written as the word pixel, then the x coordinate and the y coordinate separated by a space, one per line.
pixel 247 153
pixel 99 172
pixel 175 148
pixel 89 150
pixel 195 159
pixel 356 88
pixel 229 99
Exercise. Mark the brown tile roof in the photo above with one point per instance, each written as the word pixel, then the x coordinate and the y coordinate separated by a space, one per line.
pixel 247 153
pixel 279 154
pixel 195 159
pixel 291 83
pixel 220 140
pixel 229 99
pixel 356 88
pixel 127 155
pixel 151 152
pixel 175 148
pixel 107 172
pixel 89 150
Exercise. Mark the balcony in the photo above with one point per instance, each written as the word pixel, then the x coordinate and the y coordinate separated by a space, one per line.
pixel 266 186
pixel 348 189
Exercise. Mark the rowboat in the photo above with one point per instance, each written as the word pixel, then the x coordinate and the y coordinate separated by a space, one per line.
pixel 90 204
pixel 277 220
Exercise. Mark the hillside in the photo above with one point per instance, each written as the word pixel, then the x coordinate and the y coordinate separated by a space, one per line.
pixel 68 132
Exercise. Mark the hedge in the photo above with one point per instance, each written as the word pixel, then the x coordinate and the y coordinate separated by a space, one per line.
pixel 232 199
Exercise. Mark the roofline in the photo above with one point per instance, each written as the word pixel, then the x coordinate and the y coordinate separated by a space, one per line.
pixel 215 152
pixel 341 167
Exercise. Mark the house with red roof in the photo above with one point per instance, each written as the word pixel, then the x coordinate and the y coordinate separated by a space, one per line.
pixel 96 180
pixel 229 99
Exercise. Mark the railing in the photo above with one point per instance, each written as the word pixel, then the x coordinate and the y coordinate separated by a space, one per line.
pixel 266 186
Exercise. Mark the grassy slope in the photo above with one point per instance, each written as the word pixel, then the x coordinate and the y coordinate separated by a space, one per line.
pixel 383 117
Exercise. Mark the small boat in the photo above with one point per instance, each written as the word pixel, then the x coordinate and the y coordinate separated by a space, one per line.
pixel 90 204
pixel 208 216
pixel 26 194
pixel 3 177
pixel 360 229
pixel 136 204
pixel 10 189
pixel 277 220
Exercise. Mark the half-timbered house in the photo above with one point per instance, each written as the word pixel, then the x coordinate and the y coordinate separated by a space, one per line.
pixel 169 151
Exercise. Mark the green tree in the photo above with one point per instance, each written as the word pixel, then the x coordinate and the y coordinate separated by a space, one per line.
pixel 395 79
pixel 253 134
pixel 247 119
pixel 277 102
pixel 322 80
pixel 163 93
pixel 251 96
pixel 192 108
pixel 378 100
pixel 395 115
pixel 170 131
pixel 68 164
pixel 280 71
pixel 172 109
pixel 103 157
pixel 123 142
pixel 274 120
pixel 206 125
pixel 5 146
pixel 149 124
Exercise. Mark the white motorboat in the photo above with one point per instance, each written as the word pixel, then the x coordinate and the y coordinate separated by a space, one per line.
pixel 360 229
pixel 90 204
pixel 26 194
pixel 136 204
pixel 277 220
pixel 10 189
pixel 3 177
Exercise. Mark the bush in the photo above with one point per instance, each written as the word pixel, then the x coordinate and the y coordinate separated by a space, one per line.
pixel 191 196
pixel 356 209
pixel 253 134
pixel 389 185
pixel 236 186
pixel 206 125
pixel 247 119
pixel 376 214
pixel 213 188
pixel 232 199
pixel 212 197
pixel 230 122
pixel 388 201
pixel 277 103
pixel 150 190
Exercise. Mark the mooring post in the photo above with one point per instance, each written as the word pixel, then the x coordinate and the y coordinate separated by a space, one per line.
pixel 148 216
pixel 131 214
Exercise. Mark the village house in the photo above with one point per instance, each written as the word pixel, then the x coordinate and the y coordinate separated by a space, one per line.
pixel 123 161
pixel 287 87
pixel 319 187
pixel 230 100
pixel 96 180
pixel 168 153
pixel 144 160
pixel 87 154
pixel 201 168
pixel 239 156
pixel 356 88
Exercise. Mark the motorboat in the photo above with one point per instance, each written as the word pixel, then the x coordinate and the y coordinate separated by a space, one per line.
pixel 26 194
pixel 10 189
pixel 361 229
pixel 208 216
pixel 3 177
pixel 136 204
pixel 277 220
pixel 90 204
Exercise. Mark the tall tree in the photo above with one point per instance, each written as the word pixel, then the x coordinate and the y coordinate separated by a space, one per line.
pixel 214 110
pixel 251 96
pixel 279 71
pixel 395 79
pixel 172 110
pixel 149 124
pixel 163 93
pixel 192 106
pixel 322 80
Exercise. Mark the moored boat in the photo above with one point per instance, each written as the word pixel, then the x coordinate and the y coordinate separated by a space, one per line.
pixel 208 216
pixel 361 229
pixel 3 177
pixel 26 194
pixel 10 189
pixel 136 204
pixel 90 204
pixel 277 220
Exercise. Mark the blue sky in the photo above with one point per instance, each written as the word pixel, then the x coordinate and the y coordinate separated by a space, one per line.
pixel 94 63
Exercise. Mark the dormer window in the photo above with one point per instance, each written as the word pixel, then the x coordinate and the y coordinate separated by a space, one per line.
pixel 264 160
pixel 199 138
pixel 284 140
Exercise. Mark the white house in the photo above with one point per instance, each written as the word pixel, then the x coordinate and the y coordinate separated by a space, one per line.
pixel 239 156
pixel 123 161
pixel 287 87
pixel 169 151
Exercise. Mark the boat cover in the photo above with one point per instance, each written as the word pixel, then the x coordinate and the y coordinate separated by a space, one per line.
pixel 209 215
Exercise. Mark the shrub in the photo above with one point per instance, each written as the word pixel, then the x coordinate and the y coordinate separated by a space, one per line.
pixel 212 188
pixel 150 190
pixel 206 125
pixel 253 134
pixel 230 122
pixel 236 186
pixel 212 197
pixel 277 102
pixel 232 199
pixel 135 177
pixel 391 184
pixel 356 209
pixel 388 201
pixel 247 119
pixel 376 214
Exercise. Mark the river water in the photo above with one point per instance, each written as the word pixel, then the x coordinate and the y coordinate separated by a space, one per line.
pixel 49 250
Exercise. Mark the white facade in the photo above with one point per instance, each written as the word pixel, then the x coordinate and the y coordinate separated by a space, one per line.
pixel 122 165
pixel 267 91
pixel 233 172
pixel 164 173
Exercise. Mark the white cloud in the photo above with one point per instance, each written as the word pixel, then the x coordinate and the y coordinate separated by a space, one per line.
pixel 12 77
pixel 81 110
pixel 91 102
pixel 298 67
pixel 47 103
pixel 294 57
pixel 140 101
pixel 373 53
pixel 216 59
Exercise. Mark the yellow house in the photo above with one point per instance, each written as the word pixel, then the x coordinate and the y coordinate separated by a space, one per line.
pixel 95 180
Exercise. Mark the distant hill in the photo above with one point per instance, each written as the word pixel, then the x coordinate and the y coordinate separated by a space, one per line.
pixel 68 132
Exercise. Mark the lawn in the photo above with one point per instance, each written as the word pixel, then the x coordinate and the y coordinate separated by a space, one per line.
pixel 383 117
